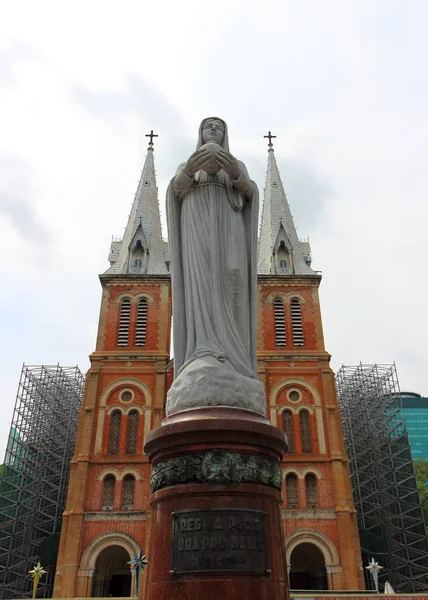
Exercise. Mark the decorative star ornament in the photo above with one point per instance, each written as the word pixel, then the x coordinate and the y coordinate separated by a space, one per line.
pixel 373 566
pixel 36 573
pixel 374 569
pixel 138 563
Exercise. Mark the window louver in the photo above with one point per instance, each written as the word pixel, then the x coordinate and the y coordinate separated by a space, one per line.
pixel 141 328
pixel 125 313
pixel 278 311
pixel 296 321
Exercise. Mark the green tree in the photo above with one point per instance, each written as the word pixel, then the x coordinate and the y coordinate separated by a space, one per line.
pixel 421 469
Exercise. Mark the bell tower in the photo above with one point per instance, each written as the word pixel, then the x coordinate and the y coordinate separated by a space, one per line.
pixel 319 518
pixel 107 521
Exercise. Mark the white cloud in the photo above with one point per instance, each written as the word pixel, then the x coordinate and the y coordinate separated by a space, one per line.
pixel 342 85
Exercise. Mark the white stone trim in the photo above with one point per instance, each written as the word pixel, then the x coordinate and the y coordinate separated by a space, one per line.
pixel 103 404
pixel 311 536
pixel 301 473
pixel 278 387
pixel 119 474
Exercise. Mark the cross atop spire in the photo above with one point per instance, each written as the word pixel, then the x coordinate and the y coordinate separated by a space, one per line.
pixel 141 252
pixel 270 138
pixel 151 135
pixel 280 250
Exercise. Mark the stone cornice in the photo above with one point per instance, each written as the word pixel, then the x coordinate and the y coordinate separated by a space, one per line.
pixel 290 279
pixel 296 355
pixel 323 514
pixel 127 354
pixel 125 279
pixel 130 515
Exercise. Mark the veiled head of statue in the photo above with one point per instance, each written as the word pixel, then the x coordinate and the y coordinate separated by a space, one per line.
pixel 213 129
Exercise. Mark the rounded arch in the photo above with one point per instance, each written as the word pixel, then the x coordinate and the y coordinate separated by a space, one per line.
pixel 147 410
pixel 127 410
pixel 296 409
pixel 123 296
pixel 104 540
pixel 312 471
pixel 134 408
pixel 144 296
pixel 119 383
pixel 292 409
pixel 134 298
pixel 278 387
pixel 291 471
pixel 110 471
pixel 296 296
pixel 277 296
pixel 286 298
pixel 133 472
pixel 301 473
pixel 310 536
pixel 115 407
pixel 119 474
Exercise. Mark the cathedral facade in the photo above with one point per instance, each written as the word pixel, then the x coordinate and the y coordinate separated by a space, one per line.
pixel 107 519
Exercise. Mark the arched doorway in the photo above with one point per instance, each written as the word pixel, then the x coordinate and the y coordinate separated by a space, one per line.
pixel 112 575
pixel 307 568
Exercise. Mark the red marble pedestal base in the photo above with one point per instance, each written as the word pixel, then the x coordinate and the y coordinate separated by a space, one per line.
pixel 216 530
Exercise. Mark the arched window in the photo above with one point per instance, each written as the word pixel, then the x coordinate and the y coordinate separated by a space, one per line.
pixel 311 491
pixel 141 328
pixel 305 431
pixel 128 493
pixel 124 315
pixel 108 492
pixel 113 445
pixel 296 322
pixel 283 264
pixel 287 422
pixel 278 311
pixel 292 492
pixel 131 433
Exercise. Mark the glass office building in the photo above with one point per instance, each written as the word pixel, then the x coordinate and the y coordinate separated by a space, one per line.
pixel 416 413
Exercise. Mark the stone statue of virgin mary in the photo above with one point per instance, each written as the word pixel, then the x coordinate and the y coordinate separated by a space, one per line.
pixel 212 213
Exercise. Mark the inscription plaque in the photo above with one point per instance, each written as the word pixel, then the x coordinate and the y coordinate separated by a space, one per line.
pixel 223 539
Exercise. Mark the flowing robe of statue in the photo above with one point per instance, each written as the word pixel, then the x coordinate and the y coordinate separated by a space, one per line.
pixel 212 231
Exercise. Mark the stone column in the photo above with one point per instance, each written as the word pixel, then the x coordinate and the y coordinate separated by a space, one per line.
pixel 216 498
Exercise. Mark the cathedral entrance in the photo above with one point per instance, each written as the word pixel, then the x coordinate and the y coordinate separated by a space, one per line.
pixel 112 577
pixel 307 570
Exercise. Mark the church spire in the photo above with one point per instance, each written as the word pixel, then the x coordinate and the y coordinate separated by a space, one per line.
pixel 280 250
pixel 141 251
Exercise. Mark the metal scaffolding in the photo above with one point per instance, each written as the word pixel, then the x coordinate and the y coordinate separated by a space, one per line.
pixel 390 518
pixel 33 486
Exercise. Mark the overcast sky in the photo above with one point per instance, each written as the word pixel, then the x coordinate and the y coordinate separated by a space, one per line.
pixel 343 84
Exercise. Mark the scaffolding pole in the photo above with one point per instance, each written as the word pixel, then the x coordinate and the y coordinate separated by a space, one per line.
pixel 36 468
pixel 390 518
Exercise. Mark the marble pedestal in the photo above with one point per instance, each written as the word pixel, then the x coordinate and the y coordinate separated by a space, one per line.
pixel 216 530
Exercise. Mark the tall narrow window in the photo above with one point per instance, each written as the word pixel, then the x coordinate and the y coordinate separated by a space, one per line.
pixel 128 493
pixel 305 431
pixel 296 322
pixel 278 311
pixel 131 433
pixel 287 422
pixel 113 445
pixel 108 492
pixel 311 491
pixel 291 489
pixel 124 315
pixel 141 328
